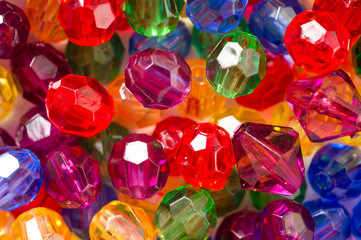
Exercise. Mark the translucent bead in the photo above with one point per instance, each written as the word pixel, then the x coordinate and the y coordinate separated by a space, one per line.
pixel 8 92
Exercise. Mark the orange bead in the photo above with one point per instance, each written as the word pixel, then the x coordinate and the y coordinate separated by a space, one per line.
pixel 6 219
pixel 202 101
pixel 120 221
pixel 40 223
pixel 129 112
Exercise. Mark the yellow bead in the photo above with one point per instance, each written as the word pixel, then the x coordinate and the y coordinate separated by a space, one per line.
pixel 120 221
pixel 8 92
pixel 202 100
pixel 129 112
pixel 40 223
pixel 6 219
pixel 43 18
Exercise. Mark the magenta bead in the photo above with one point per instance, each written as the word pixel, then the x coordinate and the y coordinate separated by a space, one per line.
pixel 138 166
pixel 157 78
pixel 72 177
pixel 6 139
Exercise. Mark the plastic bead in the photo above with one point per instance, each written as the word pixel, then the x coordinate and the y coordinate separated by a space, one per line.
pixel 356 56
pixel 123 24
pixel 6 220
pixel 8 91
pixel 356 222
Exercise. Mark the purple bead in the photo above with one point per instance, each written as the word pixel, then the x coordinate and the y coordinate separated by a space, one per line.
pixel 157 78
pixel 37 134
pixel 36 66
pixel 72 177
pixel 285 219
pixel 14 29
pixel 6 139
pixel 138 166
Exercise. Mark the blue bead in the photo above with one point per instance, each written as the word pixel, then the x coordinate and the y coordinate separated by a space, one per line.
pixel 215 16
pixel 20 177
pixel 335 171
pixel 356 221
pixel 269 20
pixel 178 41
pixel 332 220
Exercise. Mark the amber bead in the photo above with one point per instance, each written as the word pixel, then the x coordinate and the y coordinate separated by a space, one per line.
pixel 8 91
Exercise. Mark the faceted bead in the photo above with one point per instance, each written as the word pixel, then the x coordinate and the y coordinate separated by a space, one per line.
pixel 138 166
pixel 327 106
pixel 205 156
pixel 6 220
pixel 238 226
pixel 334 171
pixel 123 24
pixel 37 134
pixel 269 20
pixel 273 87
pixel 332 220
pixel 216 16
pixel 36 67
pixel 356 57
pixel 79 105
pixel 168 132
pixel 40 223
pixel 317 41
pixel 285 219
pixel 153 17
pixel 14 29
pixel 118 221
pixel 8 90
pixel 275 166
pixel 6 139
pixel 356 221
pixel 236 64
pixel 129 112
pixel 68 165
pixel 191 212
pixel 202 101
pixel 158 79
pixel 99 19
pixel 20 177
pixel 101 62
pixel 43 17
pixel 345 10
pixel 260 199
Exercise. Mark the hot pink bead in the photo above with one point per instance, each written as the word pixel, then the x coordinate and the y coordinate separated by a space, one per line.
pixel 72 177
pixel 138 166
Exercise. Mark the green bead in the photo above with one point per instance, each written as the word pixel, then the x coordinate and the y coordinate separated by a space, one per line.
pixel 102 62
pixel 260 200
pixel 185 213
pixel 356 56
pixel 236 64
pixel 153 17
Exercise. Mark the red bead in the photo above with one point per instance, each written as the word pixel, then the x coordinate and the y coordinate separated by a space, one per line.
pixel 273 87
pixel 251 2
pixel 89 22
pixel 79 105
pixel 168 132
pixel 123 21
pixel 205 156
pixel 317 41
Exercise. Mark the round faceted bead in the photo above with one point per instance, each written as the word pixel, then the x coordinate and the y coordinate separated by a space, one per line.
pixel 205 156
pixel 37 134
pixel 40 223
pixel 129 112
pixel 6 139
pixel 79 105
pixel 168 132
pixel 356 221
pixel 43 17
pixel 153 17
pixel 236 64
pixel 123 24
pixel 216 16
pixel 238 226
pixel 14 29
pixel 118 221
pixel 202 101
pixel 20 177
pixel 276 165
pixel 158 79
pixel 6 220
pixel 332 220
pixel 8 91
pixel 101 62
pixel 178 41
pixel 334 171
pixel 72 177
pixel 191 212
pixel 285 219
pixel 138 166
pixel 317 41
pixel 36 67
pixel 99 19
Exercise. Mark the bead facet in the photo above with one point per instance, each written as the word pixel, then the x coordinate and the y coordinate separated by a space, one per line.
pixel 356 221
pixel 8 91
